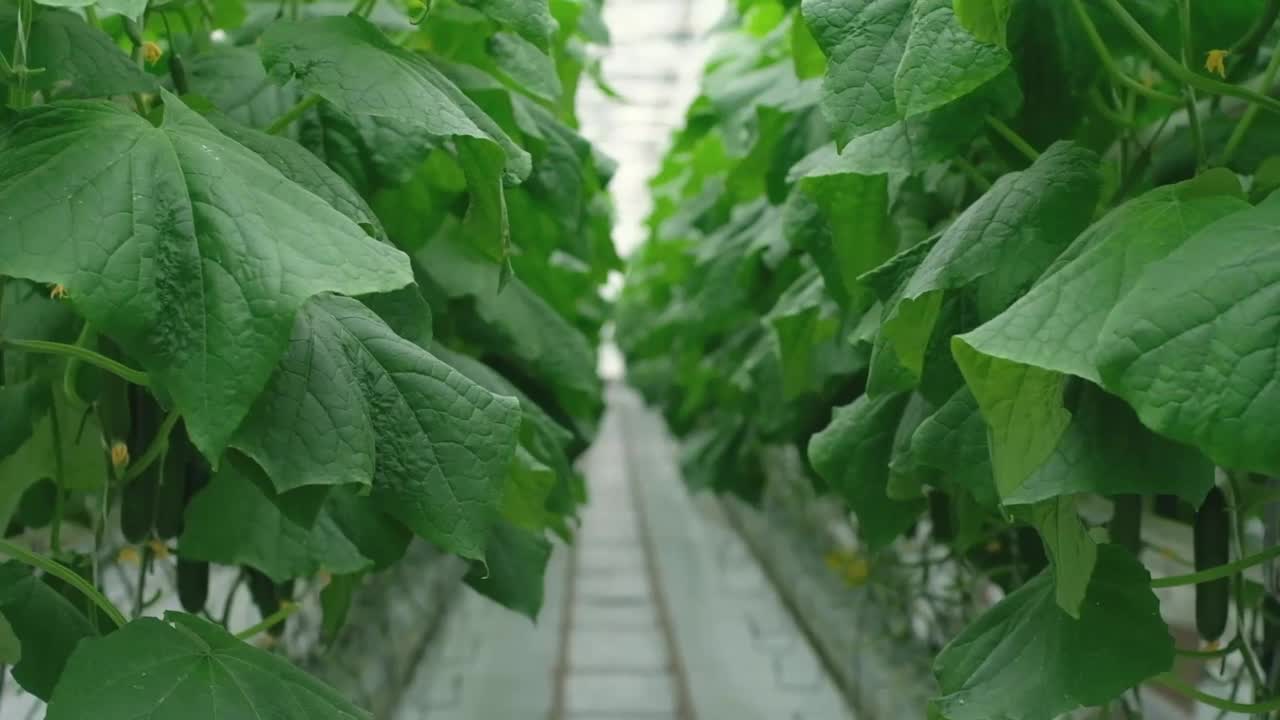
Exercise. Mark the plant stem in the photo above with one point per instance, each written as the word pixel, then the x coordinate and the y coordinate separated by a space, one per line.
pixel 286 609
pixel 45 347
pixel 292 114
pixel 1219 572
pixel 1189 93
pixel 1109 62
pixel 230 602
pixel 1174 69
pixel 1013 138
pixel 64 573
pixel 141 591
pixel 73 365
pixel 59 481
pixel 973 173
pixel 1251 113
pixel 1251 661
pixel 1172 682
pixel 159 444
pixel 22 33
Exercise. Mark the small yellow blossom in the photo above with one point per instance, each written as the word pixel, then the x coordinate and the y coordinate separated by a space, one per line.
pixel 1216 62
pixel 994 546
pixel 325 577
pixel 128 554
pixel 119 455
pixel 151 52
pixel 851 566
pixel 159 549
pixel 58 292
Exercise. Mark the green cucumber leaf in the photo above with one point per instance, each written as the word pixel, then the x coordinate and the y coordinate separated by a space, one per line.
pixel 190 235
pixel 988 20
pixel 257 534
pixel 893 59
pixel 352 402
pixel 514 569
pixel 1192 345
pixel 46 624
pixel 852 454
pixel 353 65
pixel 1005 240
pixel 1027 659
pixel 532 19
pixel 842 220
pixel 10 645
pixel 185 668
pixel 953 441
pixel 1017 362
pixel 79 61
pixel 526 66
pixel 942 61
pixel 520 329
pixel 1072 551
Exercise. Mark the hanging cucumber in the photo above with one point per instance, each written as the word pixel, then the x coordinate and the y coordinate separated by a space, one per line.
pixel 138 499
pixel 1126 522
pixel 1212 548
pixel 193 584
pixel 267 596
pixel 183 474
pixel 944 527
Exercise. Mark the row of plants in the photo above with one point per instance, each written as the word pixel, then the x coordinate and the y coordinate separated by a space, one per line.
pixel 283 285
pixel 984 262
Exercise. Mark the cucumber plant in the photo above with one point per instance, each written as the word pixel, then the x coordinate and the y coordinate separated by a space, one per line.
pixel 283 285
pixel 984 262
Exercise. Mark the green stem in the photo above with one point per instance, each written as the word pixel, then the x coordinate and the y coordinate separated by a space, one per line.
pixel 1013 138
pixel 230 601
pixel 275 618
pixel 64 573
pixel 73 366
pixel 22 33
pixel 1100 104
pixel 1109 62
pixel 1251 662
pixel 91 15
pixel 973 173
pixel 59 481
pixel 1193 111
pixel 1250 114
pixel 1170 66
pixel 45 347
pixel 292 114
pixel 159 444
pixel 140 593
pixel 1174 683
pixel 1219 572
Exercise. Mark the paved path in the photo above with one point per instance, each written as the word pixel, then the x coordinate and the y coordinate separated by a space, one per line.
pixel 658 613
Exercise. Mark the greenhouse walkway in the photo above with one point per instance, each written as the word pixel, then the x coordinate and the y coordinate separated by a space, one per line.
pixel 659 612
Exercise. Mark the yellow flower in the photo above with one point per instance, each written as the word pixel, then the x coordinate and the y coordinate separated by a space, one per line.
pixel 1216 62
pixel 119 455
pixel 58 292
pixel 151 52
pixel 128 554
pixel 850 565
pixel 159 549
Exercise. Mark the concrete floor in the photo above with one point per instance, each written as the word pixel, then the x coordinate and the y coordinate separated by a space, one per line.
pixel 658 613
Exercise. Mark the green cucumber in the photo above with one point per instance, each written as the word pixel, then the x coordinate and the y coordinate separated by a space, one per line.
pixel 193 584
pixel 1212 548
pixel 944 526
pixel 138 499
pixel 1126 522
